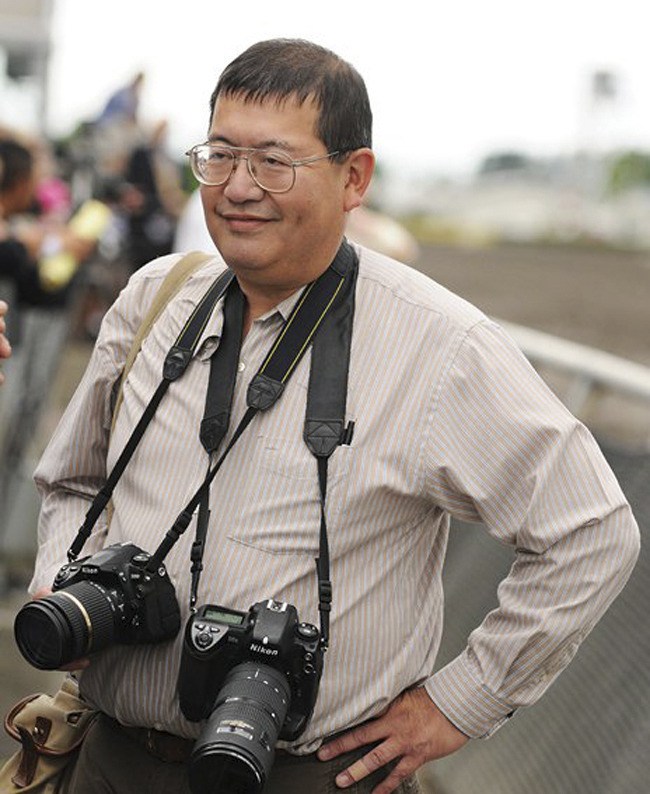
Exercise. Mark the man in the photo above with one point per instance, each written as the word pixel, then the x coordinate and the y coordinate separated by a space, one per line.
pixel 449 417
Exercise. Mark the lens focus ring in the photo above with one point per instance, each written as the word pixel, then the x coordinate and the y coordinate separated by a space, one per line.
pixel 235 751
pixel 66 625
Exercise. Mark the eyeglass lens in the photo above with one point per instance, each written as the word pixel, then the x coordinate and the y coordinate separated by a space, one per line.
pixel 271 171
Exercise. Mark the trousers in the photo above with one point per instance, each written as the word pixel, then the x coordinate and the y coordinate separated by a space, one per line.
pixel 111 763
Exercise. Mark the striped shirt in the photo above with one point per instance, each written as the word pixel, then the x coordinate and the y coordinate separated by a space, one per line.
pixel 450 419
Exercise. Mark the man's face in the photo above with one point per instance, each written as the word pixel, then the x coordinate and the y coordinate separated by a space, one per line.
pixel 278 240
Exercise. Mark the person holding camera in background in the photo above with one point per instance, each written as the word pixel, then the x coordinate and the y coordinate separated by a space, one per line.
pixel 442 416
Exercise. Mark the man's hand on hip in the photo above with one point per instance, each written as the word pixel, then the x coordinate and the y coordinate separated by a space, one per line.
pixel 412 729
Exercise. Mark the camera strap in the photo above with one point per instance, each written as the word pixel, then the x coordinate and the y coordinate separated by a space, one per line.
pixel 322 318
pixel 325 427
pixel 174 366
pixel 327 307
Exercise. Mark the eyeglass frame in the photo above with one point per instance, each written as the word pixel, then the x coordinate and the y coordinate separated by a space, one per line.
pixel 191 153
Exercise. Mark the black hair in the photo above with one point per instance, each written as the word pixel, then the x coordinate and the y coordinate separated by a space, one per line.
pixel 16 164
pixel 293 68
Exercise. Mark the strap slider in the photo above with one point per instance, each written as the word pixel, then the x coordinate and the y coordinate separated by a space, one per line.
pixel 322 436
pixel 176 363
pixel 213 430
pixel 263 392
pixel 196 555
pixel 325 595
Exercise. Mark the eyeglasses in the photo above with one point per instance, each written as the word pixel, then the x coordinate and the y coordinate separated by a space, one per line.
pixel 273 171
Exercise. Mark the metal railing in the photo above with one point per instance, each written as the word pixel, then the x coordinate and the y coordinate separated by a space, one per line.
pixel 586 367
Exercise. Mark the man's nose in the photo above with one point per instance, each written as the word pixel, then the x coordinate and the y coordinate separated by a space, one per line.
pixel 241 186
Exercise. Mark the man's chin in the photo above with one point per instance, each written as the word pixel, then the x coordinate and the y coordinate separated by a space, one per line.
pixel 242 260
pixel 242 250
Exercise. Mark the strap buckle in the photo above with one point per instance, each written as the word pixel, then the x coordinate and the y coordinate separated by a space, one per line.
pixel 325 595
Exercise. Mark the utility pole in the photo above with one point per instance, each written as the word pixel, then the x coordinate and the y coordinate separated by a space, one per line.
pixel 25 45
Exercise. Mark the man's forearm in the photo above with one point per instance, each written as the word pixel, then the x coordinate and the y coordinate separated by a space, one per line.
pixel 547 605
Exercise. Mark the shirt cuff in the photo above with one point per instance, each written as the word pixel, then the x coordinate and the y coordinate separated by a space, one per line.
pixel 44 578
pixel 466 702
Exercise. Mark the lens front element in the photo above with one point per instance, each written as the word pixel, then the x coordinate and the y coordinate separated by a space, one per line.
pixel 66 625
pixel 235 751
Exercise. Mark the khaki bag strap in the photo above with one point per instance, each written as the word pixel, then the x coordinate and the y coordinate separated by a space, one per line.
pixel 171 284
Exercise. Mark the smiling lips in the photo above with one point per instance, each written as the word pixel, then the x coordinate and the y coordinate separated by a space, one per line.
pixel 240 222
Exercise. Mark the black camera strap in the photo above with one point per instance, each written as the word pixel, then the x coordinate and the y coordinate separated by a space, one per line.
pixel 218 406
pixel 325 418
pixel 326 306
pixel 174 366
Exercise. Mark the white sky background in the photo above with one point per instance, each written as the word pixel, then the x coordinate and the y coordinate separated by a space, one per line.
pixel 448 82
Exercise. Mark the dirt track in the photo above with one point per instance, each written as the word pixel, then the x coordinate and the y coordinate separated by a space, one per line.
pixel 598 298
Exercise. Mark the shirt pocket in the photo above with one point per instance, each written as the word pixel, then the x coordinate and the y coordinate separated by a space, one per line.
pixel 293 460
pixel 280 512
pixel 279 503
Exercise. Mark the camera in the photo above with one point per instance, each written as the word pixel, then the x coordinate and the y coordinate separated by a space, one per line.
pixel 254 677
pixel 109 597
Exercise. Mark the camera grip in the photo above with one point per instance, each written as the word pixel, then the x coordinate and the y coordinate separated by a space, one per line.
pixel 199 678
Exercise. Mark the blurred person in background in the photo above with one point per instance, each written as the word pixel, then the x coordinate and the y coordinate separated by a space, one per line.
pixel 5 346
pixel 27 239
pixel 153 198
pixel 21 236
pixel 378 231
pixel 116 130
pixel 191 231
pixel 52 195
pixel 40 256
pixel 123 104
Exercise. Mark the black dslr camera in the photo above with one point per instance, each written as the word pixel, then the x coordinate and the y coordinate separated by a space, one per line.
pixel 254 676
pixel 109 597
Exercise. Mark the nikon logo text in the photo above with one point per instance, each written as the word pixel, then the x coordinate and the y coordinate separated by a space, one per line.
pixel 261 649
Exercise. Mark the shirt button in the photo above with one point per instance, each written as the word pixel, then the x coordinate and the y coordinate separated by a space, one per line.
pixel 241 366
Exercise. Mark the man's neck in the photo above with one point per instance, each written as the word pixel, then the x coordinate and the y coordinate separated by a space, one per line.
pixel 262 296
pixel 259 301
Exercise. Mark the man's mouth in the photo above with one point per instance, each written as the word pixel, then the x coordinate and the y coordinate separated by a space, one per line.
pixel 241 222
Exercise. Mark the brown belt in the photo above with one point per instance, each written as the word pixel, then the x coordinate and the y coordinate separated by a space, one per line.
pixel 176 749
pixel 161 745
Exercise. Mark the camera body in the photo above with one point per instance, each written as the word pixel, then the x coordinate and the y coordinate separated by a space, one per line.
pixel 217 639
pixel 146 609
pixel 106 598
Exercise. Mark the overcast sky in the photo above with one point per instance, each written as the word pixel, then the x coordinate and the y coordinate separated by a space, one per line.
pixel 448 81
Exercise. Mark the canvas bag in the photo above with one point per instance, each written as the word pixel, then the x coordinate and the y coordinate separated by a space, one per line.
pixel 52 728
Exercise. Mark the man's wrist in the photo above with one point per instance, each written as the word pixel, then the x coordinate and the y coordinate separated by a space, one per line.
pixel 465 702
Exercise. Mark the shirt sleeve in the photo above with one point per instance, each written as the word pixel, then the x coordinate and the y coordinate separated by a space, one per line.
pixel 73 466
pixel 504 451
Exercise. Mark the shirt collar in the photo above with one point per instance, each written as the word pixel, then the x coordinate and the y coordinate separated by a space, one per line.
pixel 209 339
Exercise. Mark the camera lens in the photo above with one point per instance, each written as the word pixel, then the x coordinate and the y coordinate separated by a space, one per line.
pixel 236 749
pixel 66 625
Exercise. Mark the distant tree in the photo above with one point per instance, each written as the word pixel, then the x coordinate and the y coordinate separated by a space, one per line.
pixel 629 169
pixel 498 162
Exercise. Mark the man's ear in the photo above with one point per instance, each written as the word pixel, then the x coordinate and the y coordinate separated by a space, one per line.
pixel 359 169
